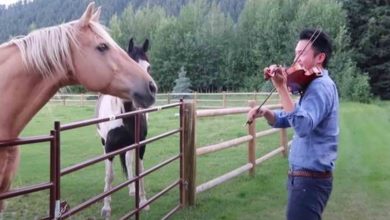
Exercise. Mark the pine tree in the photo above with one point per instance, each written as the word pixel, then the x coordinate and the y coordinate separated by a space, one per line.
pixel 183 84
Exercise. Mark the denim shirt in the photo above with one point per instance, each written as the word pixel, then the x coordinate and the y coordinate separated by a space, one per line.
pixel 316 125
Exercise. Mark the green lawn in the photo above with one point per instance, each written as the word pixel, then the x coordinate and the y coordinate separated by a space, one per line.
pixel 361 186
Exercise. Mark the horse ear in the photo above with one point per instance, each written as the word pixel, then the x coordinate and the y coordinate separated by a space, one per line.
pixel 131 45
pixel 96 15
pixel 87 15
pixel 145 47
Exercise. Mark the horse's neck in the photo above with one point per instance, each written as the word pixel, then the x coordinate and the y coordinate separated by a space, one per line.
pixel 22 93
pixel 129 122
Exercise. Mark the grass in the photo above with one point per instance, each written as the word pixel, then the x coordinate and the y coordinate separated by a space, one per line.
pixel 361 183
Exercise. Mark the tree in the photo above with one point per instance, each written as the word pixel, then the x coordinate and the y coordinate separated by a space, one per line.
pixel 263 38
pixel 140 24
pixel 330 16
pixel 198 39
pixel 166 57
pixel 183 83
pixel 368 24
pixel 16 19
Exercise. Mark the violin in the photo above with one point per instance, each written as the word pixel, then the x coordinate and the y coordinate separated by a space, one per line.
pixel 298 78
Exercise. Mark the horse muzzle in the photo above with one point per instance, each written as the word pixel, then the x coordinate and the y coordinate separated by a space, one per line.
pixel 147 97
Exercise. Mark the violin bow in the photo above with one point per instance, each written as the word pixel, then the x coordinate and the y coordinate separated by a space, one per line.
pixel 261 105
pixel 312 38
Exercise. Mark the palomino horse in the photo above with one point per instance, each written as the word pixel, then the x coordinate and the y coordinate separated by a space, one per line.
pixel 119 133
pixel 33 68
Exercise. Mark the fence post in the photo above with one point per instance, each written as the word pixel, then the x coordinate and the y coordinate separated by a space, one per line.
pixel 252 143
pixel 53 188
pixel 169 98
pixel 224 99
pixel 195 98
pixel 189 153
pixel 82 99
pixel 255 96
pixel 283 141
pixel 56 172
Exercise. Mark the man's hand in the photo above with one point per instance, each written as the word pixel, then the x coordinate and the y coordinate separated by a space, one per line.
pixel 277 74
pixel 262 112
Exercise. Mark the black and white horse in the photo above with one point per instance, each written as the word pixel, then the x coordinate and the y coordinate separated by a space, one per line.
pixel 119 133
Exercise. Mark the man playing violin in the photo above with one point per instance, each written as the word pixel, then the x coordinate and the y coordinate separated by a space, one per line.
pixel 315 121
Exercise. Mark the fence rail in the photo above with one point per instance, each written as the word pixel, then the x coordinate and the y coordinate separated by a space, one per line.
pixel 203 100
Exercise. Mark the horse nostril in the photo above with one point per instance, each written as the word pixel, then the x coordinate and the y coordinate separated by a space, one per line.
pixel 152 87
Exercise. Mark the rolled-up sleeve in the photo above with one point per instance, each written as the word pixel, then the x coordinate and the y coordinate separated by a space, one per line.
pixel 307 116
pixel 281 120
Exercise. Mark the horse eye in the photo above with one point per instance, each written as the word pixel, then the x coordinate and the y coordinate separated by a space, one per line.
pixel 102 47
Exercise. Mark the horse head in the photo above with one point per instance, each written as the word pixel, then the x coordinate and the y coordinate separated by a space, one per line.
pixel 101 65
pixel 138 54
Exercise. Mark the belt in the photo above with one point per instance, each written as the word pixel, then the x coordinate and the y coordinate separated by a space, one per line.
pixel 310 173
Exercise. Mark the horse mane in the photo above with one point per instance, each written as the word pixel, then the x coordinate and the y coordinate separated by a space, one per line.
pixel 47 50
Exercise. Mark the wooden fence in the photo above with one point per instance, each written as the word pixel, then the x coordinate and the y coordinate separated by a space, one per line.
pixel 202 100
pixel 250 166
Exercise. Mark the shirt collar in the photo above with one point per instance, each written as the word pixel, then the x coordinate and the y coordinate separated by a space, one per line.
pixel 325 72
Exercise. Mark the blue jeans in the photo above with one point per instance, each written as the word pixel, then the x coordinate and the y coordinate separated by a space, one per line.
pixel 307 197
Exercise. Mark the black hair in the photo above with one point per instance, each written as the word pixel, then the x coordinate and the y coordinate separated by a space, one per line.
pixel 322 44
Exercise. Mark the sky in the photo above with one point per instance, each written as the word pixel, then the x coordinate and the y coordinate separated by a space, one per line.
pixel 7 2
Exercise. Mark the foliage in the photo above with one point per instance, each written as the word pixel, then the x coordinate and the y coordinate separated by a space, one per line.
pixel 140 24
pixel 263 38
pixel 51 12
pixel 368 23
pixel 224 45
pixel 342 67
pixel 76 89
pixel 198 39
pixel 43 13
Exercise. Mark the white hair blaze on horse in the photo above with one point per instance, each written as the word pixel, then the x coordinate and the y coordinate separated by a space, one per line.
pixel 35 67
pixel 120 133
